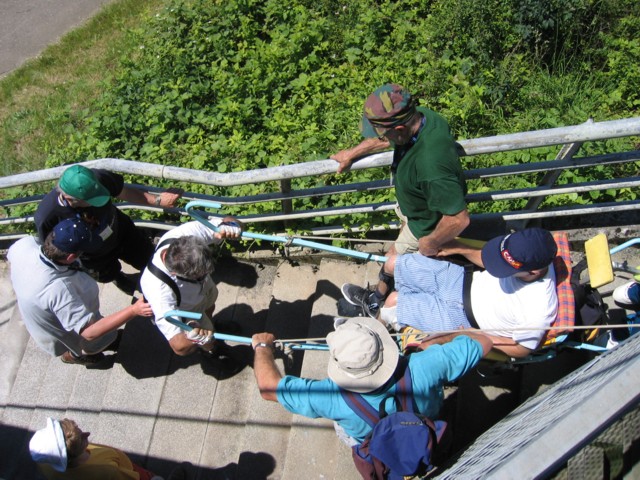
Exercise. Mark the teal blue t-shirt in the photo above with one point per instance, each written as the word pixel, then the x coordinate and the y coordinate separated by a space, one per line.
pixel 430 370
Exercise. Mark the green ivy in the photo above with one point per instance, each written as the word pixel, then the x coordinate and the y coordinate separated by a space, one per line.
pixel 247 84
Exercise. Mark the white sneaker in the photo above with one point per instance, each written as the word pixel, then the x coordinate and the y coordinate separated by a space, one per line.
pixel 627 294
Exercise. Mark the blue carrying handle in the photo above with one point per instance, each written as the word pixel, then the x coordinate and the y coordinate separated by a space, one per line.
pixel 173 317
pixel 635 271
pixel 626 244
pixel 278 238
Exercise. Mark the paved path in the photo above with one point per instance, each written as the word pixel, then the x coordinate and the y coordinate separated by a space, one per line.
pixel 27 27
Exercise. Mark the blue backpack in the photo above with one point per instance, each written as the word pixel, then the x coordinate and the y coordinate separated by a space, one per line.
pixel 401 443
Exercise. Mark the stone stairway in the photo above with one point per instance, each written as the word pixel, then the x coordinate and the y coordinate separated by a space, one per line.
pixel 162 409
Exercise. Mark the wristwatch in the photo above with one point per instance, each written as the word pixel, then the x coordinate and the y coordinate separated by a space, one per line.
pixel 263 345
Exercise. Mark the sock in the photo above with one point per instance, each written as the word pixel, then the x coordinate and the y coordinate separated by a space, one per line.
pixel 377 297
pixel 389 317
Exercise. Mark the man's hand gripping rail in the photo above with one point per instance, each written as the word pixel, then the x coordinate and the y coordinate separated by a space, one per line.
pixel 174 317
pixel 200 216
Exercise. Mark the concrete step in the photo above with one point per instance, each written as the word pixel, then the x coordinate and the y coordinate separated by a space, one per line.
pixel 162 409
pixel 314 450
pixel 19 412
pixel 56 389
pixel 225 439
pixel 11 328
pixel 267 428
pixel 85 402
pixel 135 385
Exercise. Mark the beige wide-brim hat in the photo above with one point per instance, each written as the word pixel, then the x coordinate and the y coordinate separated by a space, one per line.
pixel 362 354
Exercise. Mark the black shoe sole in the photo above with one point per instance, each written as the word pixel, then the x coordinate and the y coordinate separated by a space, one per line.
pixel 348 309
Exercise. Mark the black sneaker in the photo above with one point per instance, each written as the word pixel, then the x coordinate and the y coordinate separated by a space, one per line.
pixel 346 309
pixel 220 357
pixel 361 297
pixel 180 472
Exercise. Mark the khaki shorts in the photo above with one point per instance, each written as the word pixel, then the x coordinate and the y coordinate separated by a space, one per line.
pixel 406 241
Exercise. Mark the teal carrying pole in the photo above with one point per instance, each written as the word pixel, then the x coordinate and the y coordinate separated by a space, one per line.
pixel 280 239
pixel 626 244
pixel 635 271
pixel 173 317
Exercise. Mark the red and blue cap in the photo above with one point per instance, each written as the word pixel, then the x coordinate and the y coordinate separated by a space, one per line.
pixel 523 251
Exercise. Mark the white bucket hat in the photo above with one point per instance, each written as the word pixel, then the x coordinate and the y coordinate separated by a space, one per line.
pixel 48 446
pixel 363 356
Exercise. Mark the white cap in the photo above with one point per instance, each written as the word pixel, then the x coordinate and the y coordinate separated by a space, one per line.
pixel 48 446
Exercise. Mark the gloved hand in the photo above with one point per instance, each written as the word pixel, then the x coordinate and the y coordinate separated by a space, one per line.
pixel 200 336
pixel 230 229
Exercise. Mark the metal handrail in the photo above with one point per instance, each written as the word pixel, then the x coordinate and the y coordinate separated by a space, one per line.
pixel 545 431
pixel 499 143
pixel 564 136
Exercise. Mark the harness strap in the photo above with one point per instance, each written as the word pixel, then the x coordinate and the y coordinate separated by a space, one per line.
pixel 466 295
pixel 404 390
pixel 162 275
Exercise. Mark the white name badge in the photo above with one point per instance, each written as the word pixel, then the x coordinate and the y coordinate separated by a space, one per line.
pixel 106 233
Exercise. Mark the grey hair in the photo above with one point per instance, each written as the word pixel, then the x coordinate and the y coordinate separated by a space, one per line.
pixel 189 257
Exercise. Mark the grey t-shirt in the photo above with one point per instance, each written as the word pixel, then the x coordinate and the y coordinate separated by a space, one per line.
pixel 56 303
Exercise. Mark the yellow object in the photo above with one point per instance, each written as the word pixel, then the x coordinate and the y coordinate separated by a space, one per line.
pixel 598 261
pixel 471 242
pixel 411 338
pixel 103 462
pixel 497 356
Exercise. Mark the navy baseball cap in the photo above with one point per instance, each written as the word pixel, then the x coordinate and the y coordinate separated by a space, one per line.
pixel 72 235
pixel 523 251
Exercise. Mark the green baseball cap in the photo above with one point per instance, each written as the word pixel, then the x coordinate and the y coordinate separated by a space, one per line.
pixel 81 183
pixel 388 106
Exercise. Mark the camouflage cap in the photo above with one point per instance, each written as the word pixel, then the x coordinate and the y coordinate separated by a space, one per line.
pixel 387 107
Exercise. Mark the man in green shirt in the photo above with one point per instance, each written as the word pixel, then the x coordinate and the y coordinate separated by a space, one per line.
pixel 429 181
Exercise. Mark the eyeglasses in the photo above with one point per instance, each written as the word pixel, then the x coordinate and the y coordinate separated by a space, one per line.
pixel 74 202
